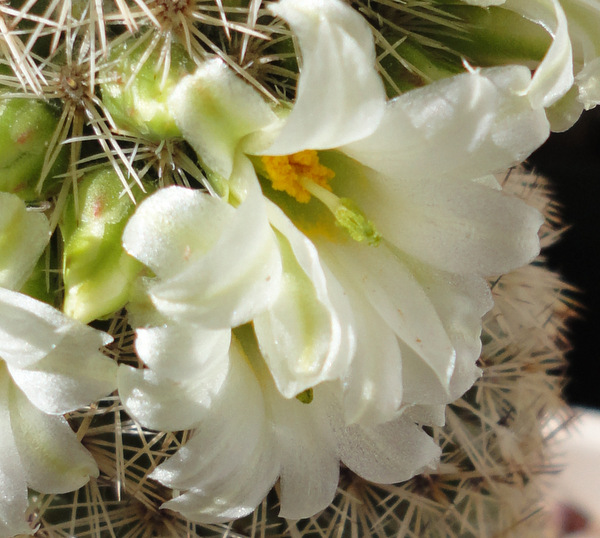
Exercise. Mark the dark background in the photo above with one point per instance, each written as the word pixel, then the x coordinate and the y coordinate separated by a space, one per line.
pixel 571 161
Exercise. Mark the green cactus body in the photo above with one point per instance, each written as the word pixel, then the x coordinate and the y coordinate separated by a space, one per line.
pixel 139 105
pixel 26 129
pixel 98 273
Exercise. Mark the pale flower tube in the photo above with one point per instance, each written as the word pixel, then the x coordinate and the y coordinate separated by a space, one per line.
pixel 49 365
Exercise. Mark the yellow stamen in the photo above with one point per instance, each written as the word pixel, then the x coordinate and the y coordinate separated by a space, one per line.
pixel 289 173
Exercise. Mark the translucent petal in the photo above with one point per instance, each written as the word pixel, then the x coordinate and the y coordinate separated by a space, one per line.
pixel 464 126
pixel 340 96
pixel 219 266
pixel 180 351
pixel 309 463
pixel 69 377
pixel 386 453
pixel 215 109
pixel 300 335
pixel 13 484
pixel 399 300
pixel 554 76
pixel 160 403
pixel 31 329
pixel 23 237
pixel 53 460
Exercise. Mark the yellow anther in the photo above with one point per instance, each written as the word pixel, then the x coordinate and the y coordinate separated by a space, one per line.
pixel 289 172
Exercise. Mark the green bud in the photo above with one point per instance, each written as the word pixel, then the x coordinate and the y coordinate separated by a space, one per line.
pixel 496 36
pixel 140 105
pixel 26 128
pixel 98 273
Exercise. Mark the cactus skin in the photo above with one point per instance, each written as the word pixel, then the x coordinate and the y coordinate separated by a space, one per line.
pixel 97 271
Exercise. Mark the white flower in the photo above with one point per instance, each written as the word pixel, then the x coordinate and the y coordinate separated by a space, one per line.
pixel 412 171
pixel 49 365
pixel 248 434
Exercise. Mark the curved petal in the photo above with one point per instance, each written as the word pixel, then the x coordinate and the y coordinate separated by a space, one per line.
pixel 13 484
pixel 373 386
pixel 386 453
pixel 215 109
pixel 175 227
pixel 307 450
pixel 460 226
pixel 67 379
pixel 463 127
pixel 340 97
pixel 300 335
pixel 554 76
pixel 163 404
pixel 53 460
pixel 219 279
pixel 31 330
pixel 23 237
pixel 179 352
pixel 399 300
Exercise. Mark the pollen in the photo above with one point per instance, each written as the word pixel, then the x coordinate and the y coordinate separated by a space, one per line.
pixel 288 172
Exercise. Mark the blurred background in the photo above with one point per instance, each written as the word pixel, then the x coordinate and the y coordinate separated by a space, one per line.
pixel 571 161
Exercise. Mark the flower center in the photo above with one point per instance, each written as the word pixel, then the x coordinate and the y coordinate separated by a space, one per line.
pixel 296 173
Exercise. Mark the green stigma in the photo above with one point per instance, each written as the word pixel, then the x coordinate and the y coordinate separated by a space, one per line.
pixel 306 396
pixel 350 217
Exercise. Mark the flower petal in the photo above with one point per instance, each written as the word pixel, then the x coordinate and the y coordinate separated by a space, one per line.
pixel 13 485
pixel 300 335
pixel 23 237
pixel 179 351
pixel 160 403
pixel 340 97
pixel 463 127
pixel 399 300
pixel 54 461
pixel 70 377
pixel 219 279
pixel 307 450
pixel 31 330
pixel 554 76
pixel 386 453
pixel 215 109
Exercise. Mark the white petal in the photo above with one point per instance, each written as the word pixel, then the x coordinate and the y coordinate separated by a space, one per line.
pixel 300 335
pixel 233 498
pixel 13 485
pixel 373 386
pixel 554 76
pixel 174 227
pixel 457 226
pixel 160 403
pixel 179 351
pixel 588 80
pixel 70 377
pixel 215 109
pixel 53 460
pixel 399 300
pixel 386 453
pixel 340 97
pixel 219 279
pixel 23 237
pixel 31 329
pixel 307 449
pixel 464 126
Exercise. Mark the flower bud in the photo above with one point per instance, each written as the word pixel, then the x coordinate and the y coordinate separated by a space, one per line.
pixel 139 104
pixel 26 128
pixel 98 273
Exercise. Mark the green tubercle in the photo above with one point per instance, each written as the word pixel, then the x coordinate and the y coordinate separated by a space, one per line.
pixel 98 273
pixel 26 129
pixel 135 91
pixel 305 397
